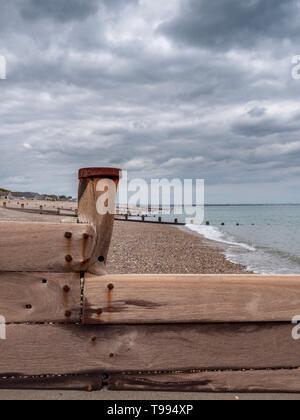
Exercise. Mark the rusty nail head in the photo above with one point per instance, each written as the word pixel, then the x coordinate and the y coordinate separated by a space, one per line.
pixel 66 289
pixel 93 339
pixel 86 236
pixel 28 306
pixel 100 311
pixel 110 286
pixel 69 258
pixel 68 235
pixel 68 314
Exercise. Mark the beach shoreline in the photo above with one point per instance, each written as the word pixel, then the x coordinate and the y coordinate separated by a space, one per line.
pixel 141 248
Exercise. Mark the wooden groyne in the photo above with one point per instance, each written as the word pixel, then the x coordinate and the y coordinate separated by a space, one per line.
pixel 54 210
pixel 70 325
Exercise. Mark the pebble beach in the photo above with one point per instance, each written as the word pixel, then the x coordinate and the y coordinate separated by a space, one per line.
pixel 152 248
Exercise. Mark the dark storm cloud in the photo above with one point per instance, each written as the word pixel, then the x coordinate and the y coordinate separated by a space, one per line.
pixel 267 126
pixel 67 10
pixel 229 24
pixel 60 10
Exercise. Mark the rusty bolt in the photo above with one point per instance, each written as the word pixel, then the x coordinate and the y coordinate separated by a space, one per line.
pixel 66 289
pixel 69 258
pixel 68 235
pixel 110 286
pixel 68 314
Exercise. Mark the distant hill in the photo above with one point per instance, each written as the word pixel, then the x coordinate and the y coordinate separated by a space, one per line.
pixel 34 195
pixel 28 195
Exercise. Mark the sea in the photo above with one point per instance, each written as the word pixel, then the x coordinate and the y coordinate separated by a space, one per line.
pixel 263 238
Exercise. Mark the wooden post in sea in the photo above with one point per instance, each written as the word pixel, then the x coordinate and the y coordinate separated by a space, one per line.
pixel 97 206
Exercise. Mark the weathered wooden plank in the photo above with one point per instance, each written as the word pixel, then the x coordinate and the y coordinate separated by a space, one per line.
pixel 31 350
pixel 96 186
pixel 45 247
pixel 40 297
pixel 238 381
pixel 199 298
pixel 87 383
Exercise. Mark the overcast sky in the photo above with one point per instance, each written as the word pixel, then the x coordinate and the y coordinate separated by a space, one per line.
pixel 163 88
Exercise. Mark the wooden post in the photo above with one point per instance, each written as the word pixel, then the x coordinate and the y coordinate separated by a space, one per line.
pixel 95 184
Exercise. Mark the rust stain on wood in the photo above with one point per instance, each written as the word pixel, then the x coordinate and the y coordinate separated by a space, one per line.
pixel 142 304
pixel 85 240
pixel 66 291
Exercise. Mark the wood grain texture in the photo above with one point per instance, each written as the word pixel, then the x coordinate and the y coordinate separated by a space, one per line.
pixel 43 247
pixel 199 298
pixel 239 381
pixel 40 297
pixel 31 350
pixel 87 383
pixel 103 223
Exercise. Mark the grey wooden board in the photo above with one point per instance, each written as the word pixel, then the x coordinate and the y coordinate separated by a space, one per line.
pixel 265 381
pixel 75 383
pixel 71 349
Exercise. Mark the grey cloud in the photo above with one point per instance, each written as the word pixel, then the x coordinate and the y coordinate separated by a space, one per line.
pixel 64 11
pixel 59 10
pixel 230 24
pixel 257 111
pixel 266 126
pixel 109 89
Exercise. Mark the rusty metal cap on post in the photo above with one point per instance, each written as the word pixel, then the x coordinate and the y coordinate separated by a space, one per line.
pixel 109 173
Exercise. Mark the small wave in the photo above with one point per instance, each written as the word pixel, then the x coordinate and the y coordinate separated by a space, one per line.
pixel 214 234
pixel 282 254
